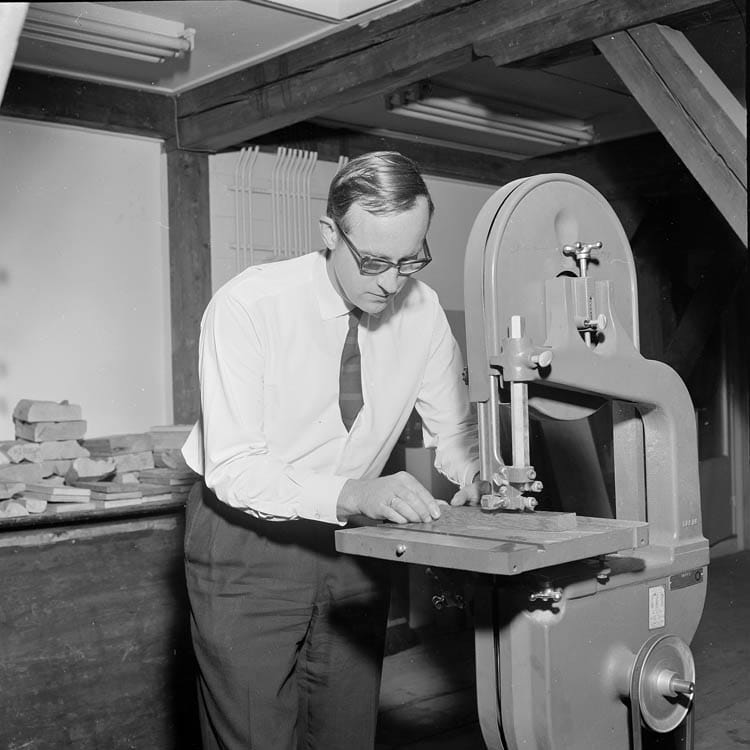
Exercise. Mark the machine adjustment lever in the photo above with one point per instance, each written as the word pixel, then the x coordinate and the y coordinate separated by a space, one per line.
pixel 599 323
pixel 581 251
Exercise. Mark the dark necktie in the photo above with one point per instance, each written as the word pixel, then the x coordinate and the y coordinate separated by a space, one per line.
pixel 350 377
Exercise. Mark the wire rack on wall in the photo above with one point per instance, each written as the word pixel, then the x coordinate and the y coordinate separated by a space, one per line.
pixel 291 196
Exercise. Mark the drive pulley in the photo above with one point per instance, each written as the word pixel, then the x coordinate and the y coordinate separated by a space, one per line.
pixel 662 685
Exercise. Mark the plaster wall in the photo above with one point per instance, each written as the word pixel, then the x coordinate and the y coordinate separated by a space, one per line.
pixel 84 275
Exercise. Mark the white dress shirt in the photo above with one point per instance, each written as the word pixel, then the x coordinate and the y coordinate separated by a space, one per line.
pixel 270 439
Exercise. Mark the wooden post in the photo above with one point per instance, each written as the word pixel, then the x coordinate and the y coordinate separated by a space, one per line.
pixel 190 273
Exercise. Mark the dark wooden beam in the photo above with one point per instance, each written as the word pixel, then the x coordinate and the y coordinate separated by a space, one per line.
pixel 190 273
pixel 303 59
pixel 49 98
pixel 706 100
pixel 695 112
pixel 425 39
pixel 724 11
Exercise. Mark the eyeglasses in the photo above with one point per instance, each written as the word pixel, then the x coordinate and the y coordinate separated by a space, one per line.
pixel 370 266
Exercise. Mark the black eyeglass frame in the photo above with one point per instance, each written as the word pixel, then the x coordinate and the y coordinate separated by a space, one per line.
pixel 362 259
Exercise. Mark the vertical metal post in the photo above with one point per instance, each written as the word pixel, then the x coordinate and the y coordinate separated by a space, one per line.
pixel 519 407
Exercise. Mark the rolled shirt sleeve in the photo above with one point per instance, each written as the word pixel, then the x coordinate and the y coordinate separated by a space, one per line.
pixel 449 423
pixel 237 463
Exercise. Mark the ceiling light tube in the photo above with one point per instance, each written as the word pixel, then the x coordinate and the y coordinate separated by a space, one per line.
pixel 60 36
pixel 108 30
pixel 421 139
pixel 98 47
pixel 567 128
pixel 456 109
pixel 481 125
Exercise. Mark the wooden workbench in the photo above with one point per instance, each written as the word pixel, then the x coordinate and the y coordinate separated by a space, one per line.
pixel 94 631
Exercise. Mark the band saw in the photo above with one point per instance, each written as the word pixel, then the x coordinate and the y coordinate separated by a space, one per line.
pixel 584 607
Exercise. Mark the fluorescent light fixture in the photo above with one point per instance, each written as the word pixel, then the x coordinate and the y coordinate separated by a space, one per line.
pixel 493 117
pixel 110 31
pixel 420 138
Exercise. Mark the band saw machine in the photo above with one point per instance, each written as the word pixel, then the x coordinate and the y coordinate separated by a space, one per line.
pixel 583 610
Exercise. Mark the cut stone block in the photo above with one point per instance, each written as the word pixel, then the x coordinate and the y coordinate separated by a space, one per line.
pixel 129 477
pixel 56 468
pixel 171 477
pixel 38 432
pixel 26 472
pixel 21 450
pixel 57 493
pixel 12 509
pixel 51 481
pixel 90 469
pixel 111 445
pixel 169 436
pixel 128 462
pixel 29 410
pixel 159 491
pixel 9 489
pixel 33 504
pixel 54 450
pixel 169 458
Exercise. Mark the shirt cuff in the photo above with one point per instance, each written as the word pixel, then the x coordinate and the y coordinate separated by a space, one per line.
pixel 320 497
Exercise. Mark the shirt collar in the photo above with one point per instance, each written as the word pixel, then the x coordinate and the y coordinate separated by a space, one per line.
pixel 330 302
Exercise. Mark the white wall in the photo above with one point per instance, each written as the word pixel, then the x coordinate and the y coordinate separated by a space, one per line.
pixel 84 275
pixel 456 206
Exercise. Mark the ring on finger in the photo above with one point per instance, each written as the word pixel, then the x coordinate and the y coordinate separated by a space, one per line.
pixel 391 501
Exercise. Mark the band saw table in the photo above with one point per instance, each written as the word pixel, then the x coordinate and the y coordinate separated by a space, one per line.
pixel 582 621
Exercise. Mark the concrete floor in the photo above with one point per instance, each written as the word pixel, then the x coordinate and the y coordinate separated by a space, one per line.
pixel 428 694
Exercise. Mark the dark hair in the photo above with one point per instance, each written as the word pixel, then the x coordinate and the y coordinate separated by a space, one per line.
pixel 381 182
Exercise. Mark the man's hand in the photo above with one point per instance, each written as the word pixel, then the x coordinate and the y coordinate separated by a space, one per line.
pixel 472 493
pixel 399 498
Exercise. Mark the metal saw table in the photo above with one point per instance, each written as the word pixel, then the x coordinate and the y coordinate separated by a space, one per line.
pixel 482 541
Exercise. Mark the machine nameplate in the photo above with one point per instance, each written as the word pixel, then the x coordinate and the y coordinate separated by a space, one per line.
pixel 656 607
pixel 683 580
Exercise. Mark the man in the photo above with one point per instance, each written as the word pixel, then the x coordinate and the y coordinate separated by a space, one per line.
pixel 309 370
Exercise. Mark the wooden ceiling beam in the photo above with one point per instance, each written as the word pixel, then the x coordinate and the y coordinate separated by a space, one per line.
pixel 349 40
pixel 696 113
pixel 703 96
pixel 723 11
pixel 70 101
pixel 425 39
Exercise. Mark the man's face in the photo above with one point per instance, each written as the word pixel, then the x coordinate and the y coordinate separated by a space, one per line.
pixel 393 237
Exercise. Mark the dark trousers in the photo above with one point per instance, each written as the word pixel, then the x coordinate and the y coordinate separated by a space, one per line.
pixel 288 634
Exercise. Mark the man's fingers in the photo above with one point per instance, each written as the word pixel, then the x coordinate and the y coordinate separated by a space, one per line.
pixel 428 510
pixel 393 516
pixel 406 510
pixel 419 497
